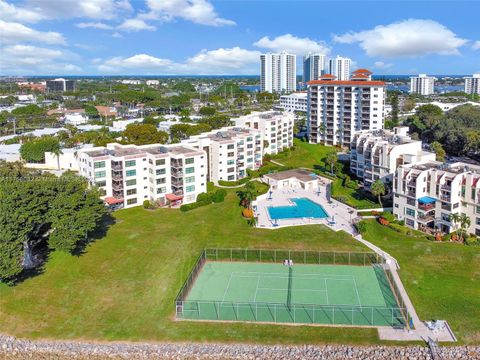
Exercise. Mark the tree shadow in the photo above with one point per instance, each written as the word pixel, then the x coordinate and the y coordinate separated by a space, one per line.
pixel 99 233
pixel 41 253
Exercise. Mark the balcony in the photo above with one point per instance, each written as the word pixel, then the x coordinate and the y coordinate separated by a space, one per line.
pixel 117 176
pixel 446 187
pixel 176 164
pixel 117 167
pixel 178 192
pixel 177 182
pixel 117 185
pixel 426 207
pixel 425 218
pixel 177 174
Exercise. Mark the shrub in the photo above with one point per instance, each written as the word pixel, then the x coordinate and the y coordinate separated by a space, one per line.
pixel 188 207
pixel 383 221
pixel 472 240
pixel 388 216
pixel 361 227
pixel 204 197
pixel 219 195
pixel 147 204
pixel 247 213
pixel 353 184
pixel 401 222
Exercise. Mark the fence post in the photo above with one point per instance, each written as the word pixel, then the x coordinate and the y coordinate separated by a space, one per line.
pixel 275 312
pixel 334 257
pixel 289 257
pixel 260 255
pixel 216 254
pixel 333 315
pixel 275 255
pixel 391 324
pixel 349 258
pixel 364 259
pixel 304 257
pixel 319 262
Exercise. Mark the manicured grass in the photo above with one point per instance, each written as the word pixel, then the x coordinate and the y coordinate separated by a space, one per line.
pixel 123 287
pixel 356 198
pixel 442 279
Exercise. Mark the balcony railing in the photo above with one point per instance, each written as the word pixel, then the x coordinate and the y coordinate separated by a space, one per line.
pixel 426 207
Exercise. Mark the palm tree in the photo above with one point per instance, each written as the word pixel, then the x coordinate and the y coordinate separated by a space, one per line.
pixel 378 189
pixel 464 222
pixel 57 151
pixel 247 194
pixel 331 159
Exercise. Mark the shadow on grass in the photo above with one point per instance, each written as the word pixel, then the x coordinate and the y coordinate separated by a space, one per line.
pixel 99 233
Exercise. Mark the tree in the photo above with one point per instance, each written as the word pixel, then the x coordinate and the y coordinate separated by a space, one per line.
pixel 39 208
pixel 207 111
pixel 378 189
pixel 331 159
pixel 464 222
pixel 439 151
pixel 247 194
pixel 34 151
pixel 394 113
pixel 144 134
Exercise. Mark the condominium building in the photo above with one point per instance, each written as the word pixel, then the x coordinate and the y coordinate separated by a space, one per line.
pixel 340 67
pixel 60 85
pixel 422 84
pixel 276 129
pixel 314 66
pixel 294 102
pixel 377 154
pixel 230 152
pixel 129 174
pixel 472 84
pixel 425 195
pixel 339 109
pixel 278 72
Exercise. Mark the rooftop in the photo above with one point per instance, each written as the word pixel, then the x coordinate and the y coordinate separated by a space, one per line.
pixel 302 175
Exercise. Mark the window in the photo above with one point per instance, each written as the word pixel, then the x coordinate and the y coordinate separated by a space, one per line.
pixel 189 179
pixel 160 171
pixel 478 209
pixel 161 181
pixel 131 172
pixel 230 154
pixel 99 164
pixel 131 191
pixel 249 160
pixel 131 182
pixel 189 161
pixel 473 194
pixel 190 188
pixel 130 163
pixel 161 190
pixel 230 147
pixel 478 221
pixel 189 170
pixel 230 170
pixel 230 162
pixel 160 162
pixel 100 174
pixel 231 177
pixel 409 212
pixel 101 183
pixel 131 201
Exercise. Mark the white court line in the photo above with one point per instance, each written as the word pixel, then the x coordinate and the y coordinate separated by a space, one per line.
pixel 326 289
pixel 295 277
pixel 302 274
pixel 283 289
pixel 256 289
pixel 356 289
pixel 226 289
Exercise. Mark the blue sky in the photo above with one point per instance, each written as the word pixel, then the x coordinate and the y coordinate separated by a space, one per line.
pixel 50 37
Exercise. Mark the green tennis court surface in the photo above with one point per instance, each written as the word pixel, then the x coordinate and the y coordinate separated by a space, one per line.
pixel 319 294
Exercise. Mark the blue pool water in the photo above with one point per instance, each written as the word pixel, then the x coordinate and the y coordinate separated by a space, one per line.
pixel 301 208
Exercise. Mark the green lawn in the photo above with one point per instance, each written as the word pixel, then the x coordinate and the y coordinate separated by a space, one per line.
pixel 442 279
pixel 123 287
pixel 312 156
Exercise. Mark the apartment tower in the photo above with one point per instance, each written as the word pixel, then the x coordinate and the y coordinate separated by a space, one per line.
pixel 278 72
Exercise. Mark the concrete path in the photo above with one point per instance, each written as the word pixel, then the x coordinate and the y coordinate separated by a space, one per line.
pixel 276 163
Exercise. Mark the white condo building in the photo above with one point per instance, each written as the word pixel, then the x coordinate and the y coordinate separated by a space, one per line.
pixel 337 110
pixel 340 67
pixel 230 152
pixel 425 195
pixel 276 129
pixel 297 101
pixel 422 84
pixel 278 72
pixel 472 84
pixel 314 66
pixel 129 174
pixel 377 154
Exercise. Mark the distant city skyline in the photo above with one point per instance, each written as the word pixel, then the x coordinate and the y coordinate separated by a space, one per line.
pixel 201 37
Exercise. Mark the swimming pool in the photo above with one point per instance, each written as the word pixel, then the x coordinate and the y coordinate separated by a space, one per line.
pixel 301 208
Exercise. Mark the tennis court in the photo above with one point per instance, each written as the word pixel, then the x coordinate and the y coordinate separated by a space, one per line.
pixel 302 293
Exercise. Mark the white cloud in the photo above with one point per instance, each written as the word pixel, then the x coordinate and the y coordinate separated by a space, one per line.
pixel 207 62
pixel 382 65
pixel 293 44
pixel 14 32
pixel 95 25
pixel 197 11
pixel 117 35
pixel 27 59
pixel 407 38
pixel 92 9
pixel 476 45
pixel 135 25
pixel 12 12
pixel 141 62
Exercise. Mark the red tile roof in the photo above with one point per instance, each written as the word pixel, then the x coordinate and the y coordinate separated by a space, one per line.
pixel 351 83
pixel 360 76
pixel 362 71
pixel 328 76
pixel 113 201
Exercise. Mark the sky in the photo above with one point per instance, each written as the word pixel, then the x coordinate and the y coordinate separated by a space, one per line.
pixel 226 37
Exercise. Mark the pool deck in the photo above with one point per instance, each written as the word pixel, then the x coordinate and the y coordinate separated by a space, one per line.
pixel 281 197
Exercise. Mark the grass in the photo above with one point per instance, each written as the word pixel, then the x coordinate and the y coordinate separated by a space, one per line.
pixel 356 198
pixel 442 279
pixel 123 287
